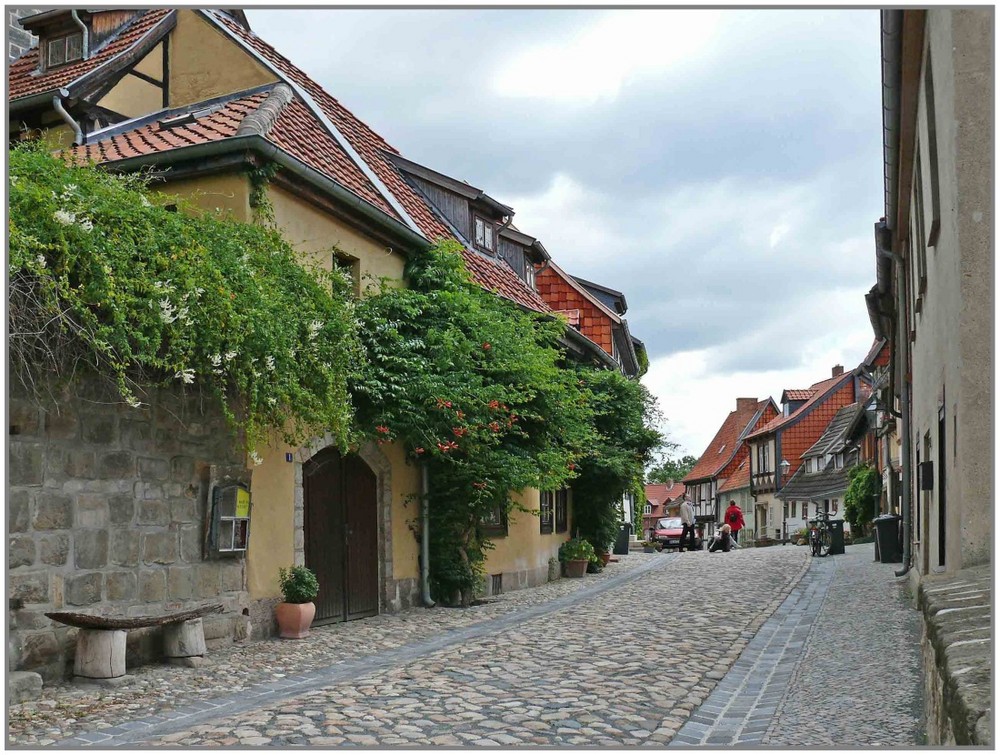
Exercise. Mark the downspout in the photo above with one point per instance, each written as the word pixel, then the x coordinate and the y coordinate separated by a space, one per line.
pixel 77 131
pixel 425 537
pixel 86 34
pixel 883 248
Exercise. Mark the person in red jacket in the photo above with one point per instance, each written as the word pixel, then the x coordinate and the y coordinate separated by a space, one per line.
pixel 734 518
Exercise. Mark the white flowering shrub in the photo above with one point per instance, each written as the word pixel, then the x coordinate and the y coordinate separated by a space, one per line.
pixel 100 274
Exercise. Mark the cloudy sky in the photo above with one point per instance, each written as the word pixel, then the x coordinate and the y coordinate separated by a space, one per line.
pixel 722 168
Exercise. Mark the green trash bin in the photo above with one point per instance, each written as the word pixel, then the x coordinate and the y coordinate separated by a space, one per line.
pixel 887 537
pixel 836 536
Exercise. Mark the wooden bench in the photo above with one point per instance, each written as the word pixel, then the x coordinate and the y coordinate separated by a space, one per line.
pixel 100 644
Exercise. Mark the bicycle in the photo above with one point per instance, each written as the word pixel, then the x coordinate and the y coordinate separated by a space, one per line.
pixel 820 534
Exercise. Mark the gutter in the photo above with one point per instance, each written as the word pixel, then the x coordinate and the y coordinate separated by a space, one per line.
pixel 86 33
pixel 590 346
pixel 269 150
pixel 425 537
pixel 883 248
pixel 77 131
pixel 892 53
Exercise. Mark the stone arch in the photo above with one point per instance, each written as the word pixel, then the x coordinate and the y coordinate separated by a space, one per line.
pixel 379 463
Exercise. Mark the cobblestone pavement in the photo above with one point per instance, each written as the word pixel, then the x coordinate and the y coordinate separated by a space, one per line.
pixel 836 665
pixel 568 663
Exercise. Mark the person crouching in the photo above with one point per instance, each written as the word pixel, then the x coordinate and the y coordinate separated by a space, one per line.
pixel 723 541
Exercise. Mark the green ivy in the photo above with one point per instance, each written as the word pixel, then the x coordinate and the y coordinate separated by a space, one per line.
pixel 477 390
pixel 862 494
pixel 102 272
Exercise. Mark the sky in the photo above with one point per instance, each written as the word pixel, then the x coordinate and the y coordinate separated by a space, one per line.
pixel 721 168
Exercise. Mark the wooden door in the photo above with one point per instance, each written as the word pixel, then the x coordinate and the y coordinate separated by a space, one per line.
pixel 341 535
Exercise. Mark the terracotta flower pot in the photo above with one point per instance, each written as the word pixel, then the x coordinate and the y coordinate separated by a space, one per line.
pixel 605 558
pixel 294 619
pixel 577 568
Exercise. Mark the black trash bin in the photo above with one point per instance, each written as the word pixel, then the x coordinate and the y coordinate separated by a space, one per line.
pixel 621 543
pixel 887 537
pixel 836 536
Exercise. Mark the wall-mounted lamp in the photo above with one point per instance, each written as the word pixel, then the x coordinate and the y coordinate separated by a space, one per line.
pixel 785 466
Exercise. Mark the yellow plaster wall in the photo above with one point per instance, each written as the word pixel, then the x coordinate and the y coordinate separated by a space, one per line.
pixel 310 230
pixel 525 548
pixel 205 63
pixel 134 97
pixel 272 522
pixel 229 192
pixel 405 508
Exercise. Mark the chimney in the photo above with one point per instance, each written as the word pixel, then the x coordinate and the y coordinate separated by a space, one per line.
pixel 838 370
pixel 746 403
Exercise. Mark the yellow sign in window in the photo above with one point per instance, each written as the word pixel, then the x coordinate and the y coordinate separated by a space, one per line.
pixel 242 503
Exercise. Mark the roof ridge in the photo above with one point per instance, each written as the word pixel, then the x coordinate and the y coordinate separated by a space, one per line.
pixel 260 121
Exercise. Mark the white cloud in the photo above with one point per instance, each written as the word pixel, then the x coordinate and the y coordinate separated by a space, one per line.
pixel 777 234
pixel 598 60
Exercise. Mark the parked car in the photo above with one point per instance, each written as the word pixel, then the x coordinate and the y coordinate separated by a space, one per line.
pixel 668 532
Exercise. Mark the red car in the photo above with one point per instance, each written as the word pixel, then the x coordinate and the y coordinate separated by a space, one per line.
pixel 668 532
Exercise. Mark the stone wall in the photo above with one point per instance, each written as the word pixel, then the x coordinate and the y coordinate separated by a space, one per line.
pixel 18 40
pixel 106 512
pixel 957 648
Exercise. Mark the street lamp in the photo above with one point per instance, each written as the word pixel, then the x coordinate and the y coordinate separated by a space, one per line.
pixel 785 466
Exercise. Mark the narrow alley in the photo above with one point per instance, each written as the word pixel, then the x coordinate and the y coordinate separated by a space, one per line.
pixel 758 646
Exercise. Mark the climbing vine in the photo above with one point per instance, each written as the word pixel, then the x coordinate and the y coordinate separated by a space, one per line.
pixel 862 494
pixel 476 389
pixel 101 273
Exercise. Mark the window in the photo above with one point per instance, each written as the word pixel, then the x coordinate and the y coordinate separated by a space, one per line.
pixel 484 234
pixel 495 525
pixel 562 510
pixel 529 274
pixel 545 512
pixel 62 50
pixel 648 509
pixel 839 461
pixel 932 162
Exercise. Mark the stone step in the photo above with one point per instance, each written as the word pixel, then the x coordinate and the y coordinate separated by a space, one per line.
pixel 23 686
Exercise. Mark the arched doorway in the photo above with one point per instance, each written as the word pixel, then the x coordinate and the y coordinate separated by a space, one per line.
pixel 341 535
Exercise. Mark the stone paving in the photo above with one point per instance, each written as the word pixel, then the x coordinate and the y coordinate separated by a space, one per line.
pixel 837 665
pixel 620 658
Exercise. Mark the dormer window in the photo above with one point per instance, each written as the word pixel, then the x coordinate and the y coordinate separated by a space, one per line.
pixel 484 234
pixel 62 50
pixel 529 275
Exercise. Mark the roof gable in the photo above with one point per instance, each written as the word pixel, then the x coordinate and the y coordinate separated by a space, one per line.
pixel 820 391
pixel 727 440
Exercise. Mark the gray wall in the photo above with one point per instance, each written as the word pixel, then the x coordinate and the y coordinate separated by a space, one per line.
pixel 106 513
pixel 18 40
pixel 953 346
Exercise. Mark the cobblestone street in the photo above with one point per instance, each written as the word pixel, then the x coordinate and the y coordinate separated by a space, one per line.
pixel 622 658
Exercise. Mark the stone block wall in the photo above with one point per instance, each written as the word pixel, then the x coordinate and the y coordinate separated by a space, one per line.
pixel 107 512
pixel 19 41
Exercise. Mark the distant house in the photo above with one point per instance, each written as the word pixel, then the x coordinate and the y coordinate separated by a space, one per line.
pixel 737 488
pixel 821 480
pixel 662 499
pixel 724 455
pixel 777 449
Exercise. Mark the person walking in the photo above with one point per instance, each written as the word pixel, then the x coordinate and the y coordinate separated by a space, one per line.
pixel 734 518
pixel 687 522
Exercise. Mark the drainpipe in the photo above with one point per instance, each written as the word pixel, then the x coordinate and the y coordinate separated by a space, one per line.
pixel 86 33
pixel 77 131
pixel 425 537
pixel 883 248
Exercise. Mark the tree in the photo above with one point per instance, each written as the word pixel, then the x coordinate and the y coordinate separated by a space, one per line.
pixel 862 494
pixel 671 467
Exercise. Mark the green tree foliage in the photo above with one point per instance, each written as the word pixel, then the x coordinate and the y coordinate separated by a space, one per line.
pixel 861 497
pixel 624 414
pixel 671 467
pixel 475 388
pixel 101 273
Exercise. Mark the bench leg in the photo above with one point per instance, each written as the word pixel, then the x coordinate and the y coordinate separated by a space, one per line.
pixel 184 643
pixel 100 654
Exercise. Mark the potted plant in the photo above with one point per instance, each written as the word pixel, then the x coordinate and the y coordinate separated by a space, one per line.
pixel 649 546
pixel 299 587
pixel 575 554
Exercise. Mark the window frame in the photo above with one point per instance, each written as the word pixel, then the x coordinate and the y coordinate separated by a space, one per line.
pixel 561 511
pixel 62 43
pixel 487 242
pixel 497 525
pixel 546 512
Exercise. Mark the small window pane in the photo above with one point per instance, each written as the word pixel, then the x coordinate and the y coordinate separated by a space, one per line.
pixel 480 232
pixel 226 531
pixel 489 237
pixel 74 47
pixel 240 534
pixel 57 52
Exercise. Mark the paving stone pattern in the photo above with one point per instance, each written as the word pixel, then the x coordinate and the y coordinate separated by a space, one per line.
pixel 567 663
pixel 836 665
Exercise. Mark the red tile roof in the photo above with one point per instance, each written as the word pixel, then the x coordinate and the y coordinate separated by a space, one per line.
pixel 22 80
pixel 818 391
pixel 738 479
pixel 661 493
pixel 796 394
pixel 492 274
pixel 562 293
pixel 726 441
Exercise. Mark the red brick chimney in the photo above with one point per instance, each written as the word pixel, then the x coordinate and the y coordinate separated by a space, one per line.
pixel 747 403
pixel 838 370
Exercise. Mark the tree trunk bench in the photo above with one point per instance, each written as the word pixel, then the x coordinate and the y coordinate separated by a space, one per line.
pixel 100 644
